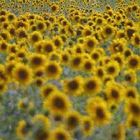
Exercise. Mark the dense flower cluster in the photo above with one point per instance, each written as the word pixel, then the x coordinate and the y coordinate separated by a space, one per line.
pixel 69 70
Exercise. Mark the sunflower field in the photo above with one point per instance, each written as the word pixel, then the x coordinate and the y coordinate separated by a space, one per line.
pixel 69 69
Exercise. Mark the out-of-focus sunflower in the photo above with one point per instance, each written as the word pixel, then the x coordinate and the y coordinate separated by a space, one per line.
pixel 53 70
pixel 57 102
pixel 22 73
pixel 97 109
pixel 92 86
pixel 36 60
pixel 47 90
pixel 72 120
pixel 60 133
pixel 35 36
pixel 112 68
pixel 74 86
pixel 133 62
pixel 87 125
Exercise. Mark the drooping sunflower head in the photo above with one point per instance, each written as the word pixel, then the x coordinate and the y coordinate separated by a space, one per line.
pixel 22 129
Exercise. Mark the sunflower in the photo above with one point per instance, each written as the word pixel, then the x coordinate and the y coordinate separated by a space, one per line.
pixel 99 72
pixel 41 119
pixel 57 102
pixel 12 31
pixel 88 65
pixel 132 108
pixel 90 43
pixel 73 86
pixel 55 56
pixel 9 66
pixel 72 120
pixel 78 49
pixel 130 76
pixel 119 58
pixel 95 55
pixel 39 81
pixel 118 18
pixel 60 133
pixel 41 27
pixel 65 57
pixel 107 78
pixel 120 132
pixel 39 46
pixel 87 32
pixel 129 32
pixel 87 125
pixel 47 90
pixel 133 62
pixel 5 25
pixel 5 35
pixel 3 46
pixel 129 23
pixel 21 24
pixel 58 117
pixel 120 34
pixel 22 129
pixel 22 54
pixel 48 24
pixel 3 88
pixel 12 57
pixel 136 40
pixel 114 92
pixel 108 31
pixel 25 104
pixel 131 93
pixel 12 48
pixel 98 111
pixel 100 21
pixel 48 47
pixel 39 72
pixel 127 52
pixel 92 86
pixel 42 131
pixel 132 122
pixel 21 33
pixel 58 42
pixel 76 62
pixel 22 73
pixel 35 36
pixel 118 45
pixel 37 60
pixel 112 68
pixel 11 17
pixel 53 70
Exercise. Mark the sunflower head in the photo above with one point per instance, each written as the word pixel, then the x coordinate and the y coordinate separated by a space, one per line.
pixel 23 74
